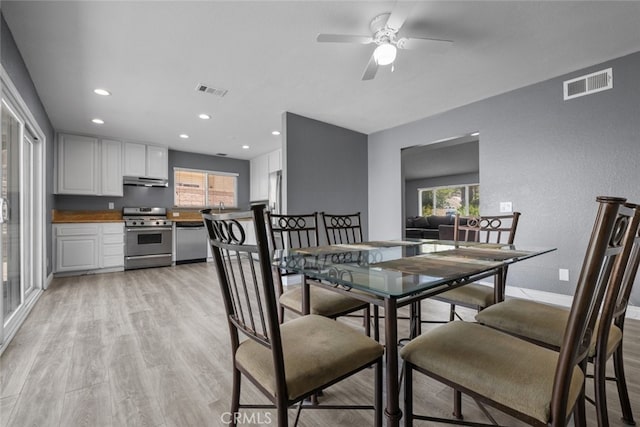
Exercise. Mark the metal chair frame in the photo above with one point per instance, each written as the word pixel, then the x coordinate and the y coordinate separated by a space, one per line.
pixel 484 229
pixel 246 278
pixel 301 231
pixel 610 240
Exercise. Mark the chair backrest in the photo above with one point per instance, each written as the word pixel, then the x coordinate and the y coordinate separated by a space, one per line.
pixel 342 229
pixel 618 293
pixel 622 300
pixel 294 231
pixel 610 236
pixel 245 276
pixel 487 229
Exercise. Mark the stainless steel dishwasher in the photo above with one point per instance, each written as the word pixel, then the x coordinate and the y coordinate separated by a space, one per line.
pixel 191 242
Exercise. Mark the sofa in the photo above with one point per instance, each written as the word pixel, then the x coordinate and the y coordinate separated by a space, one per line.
pixel 431 227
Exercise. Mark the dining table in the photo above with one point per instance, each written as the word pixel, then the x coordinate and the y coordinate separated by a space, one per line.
pixel 395 273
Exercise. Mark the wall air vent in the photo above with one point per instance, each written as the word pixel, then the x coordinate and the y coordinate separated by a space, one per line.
pixel 205 88
pixel 586 85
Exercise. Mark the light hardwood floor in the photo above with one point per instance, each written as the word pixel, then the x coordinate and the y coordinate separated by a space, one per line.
pixel 151 348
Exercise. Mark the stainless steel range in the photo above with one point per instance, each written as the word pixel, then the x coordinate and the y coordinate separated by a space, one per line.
pixel 148 238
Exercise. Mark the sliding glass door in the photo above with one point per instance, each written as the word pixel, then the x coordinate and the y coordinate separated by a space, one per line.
pixel 20 218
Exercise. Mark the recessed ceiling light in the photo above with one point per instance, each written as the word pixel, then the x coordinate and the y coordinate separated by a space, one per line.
pixel 102 92
pixel 184 136
pixel 245 147
pixel 98 121
pixel 275 132
pixel 204 116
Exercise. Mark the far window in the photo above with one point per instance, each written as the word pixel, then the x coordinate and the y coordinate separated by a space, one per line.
pixel 199 188
pixel 462 199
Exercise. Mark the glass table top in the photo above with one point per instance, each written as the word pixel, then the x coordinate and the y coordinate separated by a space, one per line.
pixel 398 268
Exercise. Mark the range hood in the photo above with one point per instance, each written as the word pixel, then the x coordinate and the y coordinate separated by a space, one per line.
pixel 142 181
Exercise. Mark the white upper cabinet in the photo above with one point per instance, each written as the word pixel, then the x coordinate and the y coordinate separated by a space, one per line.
pixel 259 169
pixel 275 161
pixel 89 166
pixel 135 159
pixel 111 162
pixel 157 162
pixel 147 161
pixel 77 165
pixel 259 181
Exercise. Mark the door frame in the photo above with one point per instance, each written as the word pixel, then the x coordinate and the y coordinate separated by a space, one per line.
pixel 16 103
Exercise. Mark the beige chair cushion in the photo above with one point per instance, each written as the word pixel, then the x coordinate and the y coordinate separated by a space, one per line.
pixel 540 322
pixel 471 295
pixel 317 350
pixel 323 302
pixel 507 370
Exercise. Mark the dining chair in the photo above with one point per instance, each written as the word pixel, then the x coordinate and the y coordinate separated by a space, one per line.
pixel 301 231
pixel 544 324
pixel 342 229
pixel 287 362
pixel 485 229
pixel 534 384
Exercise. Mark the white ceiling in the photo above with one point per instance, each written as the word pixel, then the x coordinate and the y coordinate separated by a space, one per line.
pixel 151 55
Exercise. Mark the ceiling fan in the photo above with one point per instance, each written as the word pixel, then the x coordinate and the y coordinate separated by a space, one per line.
pixel 384 29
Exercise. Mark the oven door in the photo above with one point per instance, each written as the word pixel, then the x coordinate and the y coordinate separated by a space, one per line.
pixel 148 241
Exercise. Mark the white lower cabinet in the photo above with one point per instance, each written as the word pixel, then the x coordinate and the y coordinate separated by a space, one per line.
pixel 84 247
pixel 112 245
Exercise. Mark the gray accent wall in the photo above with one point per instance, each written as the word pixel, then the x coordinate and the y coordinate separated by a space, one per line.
pixel 15 67
pixel 412 186
pixel 547 156
pixel 159 196
pixel 325 168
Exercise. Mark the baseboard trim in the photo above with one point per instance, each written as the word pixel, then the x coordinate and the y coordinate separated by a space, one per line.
pixel 48 281
pixel 633 312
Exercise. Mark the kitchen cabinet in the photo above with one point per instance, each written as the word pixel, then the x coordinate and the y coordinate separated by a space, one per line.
pixel 112 245
pixel 89 166
pixel 275 161
pixel 260 168
pixel 149 161
pixel 81 247
pixel 77 165
pixel 259 183
pixel 111 168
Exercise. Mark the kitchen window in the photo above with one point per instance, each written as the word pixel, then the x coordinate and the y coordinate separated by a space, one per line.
pixel 200 188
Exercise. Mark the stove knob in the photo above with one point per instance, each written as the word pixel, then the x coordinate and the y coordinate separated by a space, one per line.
pixel 164 222
pixel 157 222
pixel 141 222
pixel 134 223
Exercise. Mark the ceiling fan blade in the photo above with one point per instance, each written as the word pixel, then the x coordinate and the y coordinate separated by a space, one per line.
pixel 400 13
pixel 343 38
pixel 371 70
pixel 432 45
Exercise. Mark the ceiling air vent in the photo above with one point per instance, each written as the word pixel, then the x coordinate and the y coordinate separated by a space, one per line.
pixel 586 85
pixel 205 88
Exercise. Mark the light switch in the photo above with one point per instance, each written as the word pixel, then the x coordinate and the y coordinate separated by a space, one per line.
pixel 563 275
pixel 506 207
pixel 111 206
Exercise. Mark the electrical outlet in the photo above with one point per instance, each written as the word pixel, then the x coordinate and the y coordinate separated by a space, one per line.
pixel 175 213
pixel 111 206
pixel 506 207
pixel 563 275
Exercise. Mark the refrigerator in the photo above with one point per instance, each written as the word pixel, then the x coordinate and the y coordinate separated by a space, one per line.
pixel 275 192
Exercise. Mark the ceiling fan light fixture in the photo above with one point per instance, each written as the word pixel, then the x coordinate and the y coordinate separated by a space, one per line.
pixel 385 54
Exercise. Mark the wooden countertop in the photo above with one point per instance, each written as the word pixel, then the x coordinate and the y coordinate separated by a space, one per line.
pixel 62 217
